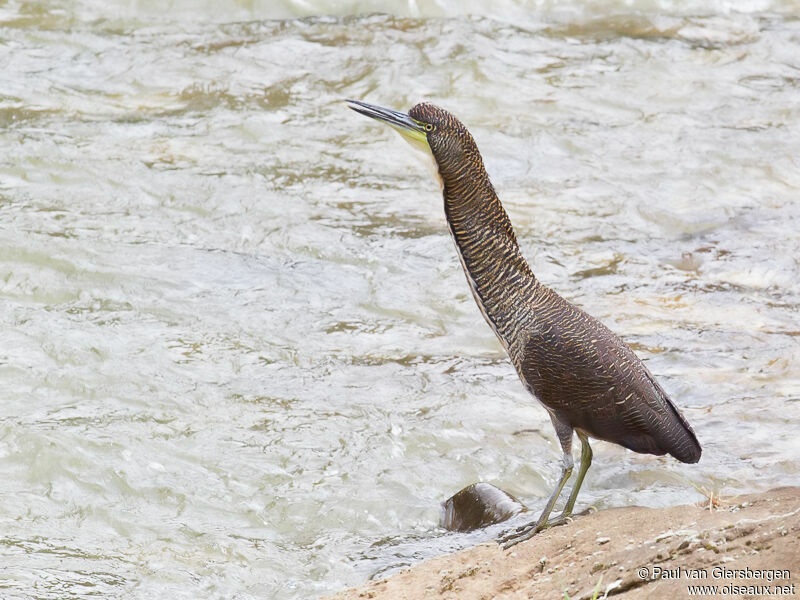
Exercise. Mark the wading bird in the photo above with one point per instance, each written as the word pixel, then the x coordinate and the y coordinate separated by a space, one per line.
pixel 589 380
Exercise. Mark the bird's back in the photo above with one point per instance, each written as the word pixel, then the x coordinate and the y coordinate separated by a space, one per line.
pixel 592 380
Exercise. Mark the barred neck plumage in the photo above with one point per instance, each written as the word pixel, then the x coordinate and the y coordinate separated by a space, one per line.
pixel 498 274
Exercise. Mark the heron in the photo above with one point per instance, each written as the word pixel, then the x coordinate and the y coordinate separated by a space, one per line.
pixel 589 381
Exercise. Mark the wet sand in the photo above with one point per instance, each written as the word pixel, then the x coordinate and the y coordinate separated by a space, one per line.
pixel 743 541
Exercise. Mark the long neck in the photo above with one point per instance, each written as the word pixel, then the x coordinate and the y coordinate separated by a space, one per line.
pixel 490 255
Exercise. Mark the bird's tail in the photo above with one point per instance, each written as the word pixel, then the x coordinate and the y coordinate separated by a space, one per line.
pixel 685 446
pixel 680 440
pixel 677 438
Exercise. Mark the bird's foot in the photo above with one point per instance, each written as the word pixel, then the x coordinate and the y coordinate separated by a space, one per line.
pixel 512 537
pixel 559 520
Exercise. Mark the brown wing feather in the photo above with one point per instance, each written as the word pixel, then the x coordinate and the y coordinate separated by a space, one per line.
pixel 592 380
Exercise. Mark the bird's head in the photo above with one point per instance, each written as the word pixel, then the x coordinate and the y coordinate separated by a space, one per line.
pixel 432 128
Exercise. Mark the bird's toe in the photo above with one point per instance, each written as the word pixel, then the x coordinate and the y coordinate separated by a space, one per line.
pixel 560 520
pixel 512 537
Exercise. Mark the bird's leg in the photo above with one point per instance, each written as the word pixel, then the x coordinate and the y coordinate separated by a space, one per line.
pixel 515 536
pixel 586 461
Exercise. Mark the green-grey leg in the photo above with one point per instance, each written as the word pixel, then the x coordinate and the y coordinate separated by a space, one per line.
pixel 586 461
pixel 515 536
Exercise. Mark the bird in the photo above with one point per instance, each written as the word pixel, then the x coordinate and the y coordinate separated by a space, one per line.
pixel 589 381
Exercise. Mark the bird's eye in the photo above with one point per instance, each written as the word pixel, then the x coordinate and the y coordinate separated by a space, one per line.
pixel 429 127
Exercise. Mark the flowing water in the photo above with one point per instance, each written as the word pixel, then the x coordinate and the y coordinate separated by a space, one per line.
pixel 239 357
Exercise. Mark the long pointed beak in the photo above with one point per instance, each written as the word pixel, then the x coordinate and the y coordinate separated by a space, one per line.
pixel 400 121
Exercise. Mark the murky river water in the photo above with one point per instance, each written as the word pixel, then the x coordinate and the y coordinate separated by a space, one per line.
pixel 239 356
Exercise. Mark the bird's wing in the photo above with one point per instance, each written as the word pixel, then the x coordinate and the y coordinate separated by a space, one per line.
pixel 581 370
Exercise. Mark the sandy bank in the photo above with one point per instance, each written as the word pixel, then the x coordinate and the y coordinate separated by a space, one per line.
pixel 745 542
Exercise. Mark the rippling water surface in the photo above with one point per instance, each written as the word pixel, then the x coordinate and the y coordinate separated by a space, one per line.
pixel 240 358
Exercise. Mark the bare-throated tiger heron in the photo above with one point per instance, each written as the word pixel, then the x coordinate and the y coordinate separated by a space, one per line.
pixel 589 380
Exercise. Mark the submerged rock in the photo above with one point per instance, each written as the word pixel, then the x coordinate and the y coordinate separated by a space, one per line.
pixel 478 505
